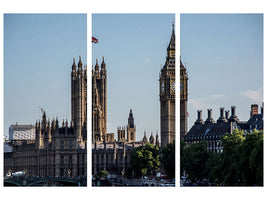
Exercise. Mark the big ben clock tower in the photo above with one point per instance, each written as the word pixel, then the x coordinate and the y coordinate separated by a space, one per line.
pixel 183 100
pixel 167 95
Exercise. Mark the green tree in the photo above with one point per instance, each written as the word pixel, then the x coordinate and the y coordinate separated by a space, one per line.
pixel 195 158
pixel 102 173
pixel 230 157
pixel 145 160
pixel 242 158
pixel 168 159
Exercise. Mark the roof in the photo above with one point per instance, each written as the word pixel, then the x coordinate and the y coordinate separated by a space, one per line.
pixel 210 131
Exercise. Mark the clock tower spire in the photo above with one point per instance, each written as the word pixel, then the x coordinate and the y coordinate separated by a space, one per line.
pixel 167 95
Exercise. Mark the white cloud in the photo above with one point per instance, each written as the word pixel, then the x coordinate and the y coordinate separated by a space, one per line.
pixel 204 102
pixel 255 95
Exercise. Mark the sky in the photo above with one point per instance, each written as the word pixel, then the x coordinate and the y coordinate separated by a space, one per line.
pixel 134 46
pixel 224 58
pixel 38 55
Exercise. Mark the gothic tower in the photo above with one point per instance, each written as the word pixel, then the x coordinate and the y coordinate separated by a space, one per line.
pixel 183 100
pixel 167 95
pixel 99 102
pixel 131 128
pixel 79 99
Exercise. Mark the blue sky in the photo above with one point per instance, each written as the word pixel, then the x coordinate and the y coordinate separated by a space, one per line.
pixel 38 55
pixel 224 59
pixel 134 47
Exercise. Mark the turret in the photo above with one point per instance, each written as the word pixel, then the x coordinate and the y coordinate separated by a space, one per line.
pixel 74 66
pixel 144 138
pixel 96 67
pixel 151 139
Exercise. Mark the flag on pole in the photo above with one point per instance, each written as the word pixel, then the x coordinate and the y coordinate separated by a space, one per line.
pixel 94 40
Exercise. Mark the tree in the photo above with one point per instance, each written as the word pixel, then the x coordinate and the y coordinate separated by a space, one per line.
pixel 242 158
pixel 102 174
pixel 195 158
pixel 145 160
pixel 168 159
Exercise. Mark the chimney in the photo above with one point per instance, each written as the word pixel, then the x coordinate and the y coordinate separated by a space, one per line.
pixel 254 110
pixel 209 113
pixel 227 114
pixel 209 119
pixel 199 117
pixel 221 118
pixel 199 114
pixel 233 116
pixel 233 111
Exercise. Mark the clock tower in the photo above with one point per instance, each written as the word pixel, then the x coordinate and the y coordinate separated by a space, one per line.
pixel 183 100
pixel 167 95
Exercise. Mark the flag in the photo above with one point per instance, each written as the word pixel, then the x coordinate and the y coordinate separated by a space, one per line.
pixel 94 40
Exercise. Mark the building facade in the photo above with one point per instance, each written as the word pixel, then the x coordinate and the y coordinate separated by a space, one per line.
pixel 56 151
pixel 167 95
pixel 213 131
pixel 21 132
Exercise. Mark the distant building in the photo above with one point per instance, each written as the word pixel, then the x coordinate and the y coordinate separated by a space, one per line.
pixel 212 131
pixel 21 132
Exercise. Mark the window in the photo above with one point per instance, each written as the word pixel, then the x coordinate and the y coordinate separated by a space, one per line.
pixel 70 144
pixel 61 159
pixel 70 159
pixel 61 144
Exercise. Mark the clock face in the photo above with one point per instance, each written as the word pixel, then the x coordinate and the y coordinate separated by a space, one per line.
pixel 181 86
pixel 162 87
pixel 173 86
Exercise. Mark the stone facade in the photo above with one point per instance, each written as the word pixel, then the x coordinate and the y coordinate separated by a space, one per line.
pixel 56 151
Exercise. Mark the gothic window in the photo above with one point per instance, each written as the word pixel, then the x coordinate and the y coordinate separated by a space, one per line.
pixel 70 159
pixel 61 159
pixel 70 144
pixel 61 144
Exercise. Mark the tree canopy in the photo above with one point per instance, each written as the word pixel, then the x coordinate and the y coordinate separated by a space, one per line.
pixel 145 160
pixel 168 159
pixel 240 163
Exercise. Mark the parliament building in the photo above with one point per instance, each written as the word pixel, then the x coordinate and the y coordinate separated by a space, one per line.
pixel 56 151
pixel 113 154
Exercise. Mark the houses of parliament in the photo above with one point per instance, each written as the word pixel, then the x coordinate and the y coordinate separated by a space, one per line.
pixel 56 151
pixel 113 154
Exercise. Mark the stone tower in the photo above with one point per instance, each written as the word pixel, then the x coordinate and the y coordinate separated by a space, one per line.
pixel 183 100
pixel 167 95
pixel 131 128
pixel 99 102
pixel 79 98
